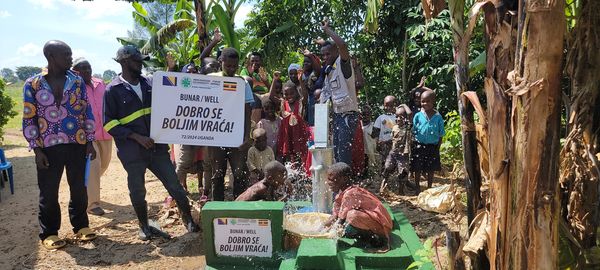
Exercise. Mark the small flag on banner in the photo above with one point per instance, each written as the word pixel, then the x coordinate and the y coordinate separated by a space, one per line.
pixel 263 222
pixel 221 221
pixel 229 86
pixel 170 80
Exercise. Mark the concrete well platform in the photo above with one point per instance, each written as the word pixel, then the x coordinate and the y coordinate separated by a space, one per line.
pixel 312 253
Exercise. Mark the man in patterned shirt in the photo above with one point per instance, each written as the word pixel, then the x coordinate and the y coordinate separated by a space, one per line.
pixel 58 124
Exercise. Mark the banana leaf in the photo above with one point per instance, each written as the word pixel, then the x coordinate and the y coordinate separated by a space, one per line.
pixel 166 34
pixel 225 24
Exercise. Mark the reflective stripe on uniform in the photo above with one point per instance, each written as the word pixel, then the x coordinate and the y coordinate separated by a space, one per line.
pixel 108 126
pixel 127 119
pixel 139 113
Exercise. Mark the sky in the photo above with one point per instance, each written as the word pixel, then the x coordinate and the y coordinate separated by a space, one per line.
pixel 90 28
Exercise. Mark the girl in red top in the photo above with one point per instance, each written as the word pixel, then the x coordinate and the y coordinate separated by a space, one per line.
pixel 293 132
pixel 364 216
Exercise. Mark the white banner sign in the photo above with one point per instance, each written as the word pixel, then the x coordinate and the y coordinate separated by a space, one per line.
pixel 196 109
pixel 243 237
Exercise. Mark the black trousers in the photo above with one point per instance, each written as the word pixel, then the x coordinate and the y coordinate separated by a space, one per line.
pixel 71 157
pixel 237 160
pixel 159 163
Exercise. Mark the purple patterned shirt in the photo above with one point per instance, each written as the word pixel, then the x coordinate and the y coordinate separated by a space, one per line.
pixel 45 124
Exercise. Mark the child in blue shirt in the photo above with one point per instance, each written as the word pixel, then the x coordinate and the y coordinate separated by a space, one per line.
pixel 428 127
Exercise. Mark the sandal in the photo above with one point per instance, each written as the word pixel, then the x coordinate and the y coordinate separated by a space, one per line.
pixel 52 242
pixel 97 211
pixel 85 234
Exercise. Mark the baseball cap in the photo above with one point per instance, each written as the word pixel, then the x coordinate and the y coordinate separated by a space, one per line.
pixel 130 51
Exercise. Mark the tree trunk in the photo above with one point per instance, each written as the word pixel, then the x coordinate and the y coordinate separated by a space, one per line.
pixel 579 163
pixel 199 6
pixel 533 206
pixel 453 244
pixel 523 133
pixel 500 52
pixel 404 71
pixel 465 109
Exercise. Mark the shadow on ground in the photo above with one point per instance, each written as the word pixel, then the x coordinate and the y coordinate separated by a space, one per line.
pixel 117 246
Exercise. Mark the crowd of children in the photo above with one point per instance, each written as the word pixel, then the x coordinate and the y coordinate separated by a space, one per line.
pixel 407 139
pixel 404 141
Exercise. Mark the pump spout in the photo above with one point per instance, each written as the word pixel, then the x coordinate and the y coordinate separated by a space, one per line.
pixel 322 198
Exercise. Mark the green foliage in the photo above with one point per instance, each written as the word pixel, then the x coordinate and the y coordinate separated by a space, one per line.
pixel 8 75
pixel 304 16
pixel 424 256
pixel 225 23
pixel 165 34
pixel 451 148
pixel 24 72
pixel 398 49
pixel 380 55
pixel 371 19
pixel 571 12
pixel 108 75
pixel 6 108
pixel 15 92
pixel 177 35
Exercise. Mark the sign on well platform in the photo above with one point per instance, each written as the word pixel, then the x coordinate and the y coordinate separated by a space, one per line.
pixel 243 237
pixel 243 233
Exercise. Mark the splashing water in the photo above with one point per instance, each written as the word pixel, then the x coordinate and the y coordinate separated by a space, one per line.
pixel 300 183
pixel 309 225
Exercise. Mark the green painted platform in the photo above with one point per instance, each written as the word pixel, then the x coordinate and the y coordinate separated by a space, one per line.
pixel 312 253
pixel 272 211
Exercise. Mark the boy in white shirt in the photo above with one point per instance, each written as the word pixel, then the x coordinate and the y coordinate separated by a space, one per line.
pixel 382 129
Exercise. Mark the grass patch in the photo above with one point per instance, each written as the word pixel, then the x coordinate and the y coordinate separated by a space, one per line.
pixel 15 92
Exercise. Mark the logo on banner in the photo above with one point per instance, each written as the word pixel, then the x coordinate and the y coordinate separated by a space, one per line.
pixel 222 221
pixel 169 80
pixel 186 82
pixel 229 86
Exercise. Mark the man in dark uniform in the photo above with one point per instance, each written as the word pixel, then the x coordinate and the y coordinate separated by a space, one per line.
pixel 127 104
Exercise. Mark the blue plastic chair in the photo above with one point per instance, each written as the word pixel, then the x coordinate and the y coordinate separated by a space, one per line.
pixel 7 166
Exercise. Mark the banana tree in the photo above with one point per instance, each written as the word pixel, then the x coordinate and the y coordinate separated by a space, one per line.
pixel 371 15
pixel 580 155
pixel 224 12
pixel 160 42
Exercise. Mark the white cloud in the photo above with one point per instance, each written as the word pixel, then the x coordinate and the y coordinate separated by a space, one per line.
pixel 28 54
pixel 242 14
pixel 44 4
pixel 110 30
pixel 99 63
pixel 29 50
pixel 4 14
pixel 32 55
pixel 80 53
pixel 93 35
pixel 90 9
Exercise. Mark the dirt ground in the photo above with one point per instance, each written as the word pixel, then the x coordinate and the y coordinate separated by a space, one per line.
pixel 117 246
